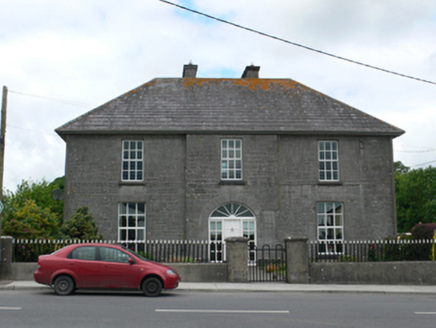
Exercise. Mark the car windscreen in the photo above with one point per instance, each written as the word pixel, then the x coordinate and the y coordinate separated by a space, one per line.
pixel 136 254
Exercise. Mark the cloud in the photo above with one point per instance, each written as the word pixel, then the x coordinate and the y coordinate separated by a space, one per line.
pixel 90 52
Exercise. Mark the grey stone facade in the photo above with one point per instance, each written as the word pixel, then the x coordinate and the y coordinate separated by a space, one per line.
pixel 182 185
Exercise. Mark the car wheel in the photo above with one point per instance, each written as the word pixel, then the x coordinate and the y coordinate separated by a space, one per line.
pixel 64 285
pixel 152 287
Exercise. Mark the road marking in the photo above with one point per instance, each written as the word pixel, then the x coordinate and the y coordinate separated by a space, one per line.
pixel 221 311
pixel 430 313
pixel 11 308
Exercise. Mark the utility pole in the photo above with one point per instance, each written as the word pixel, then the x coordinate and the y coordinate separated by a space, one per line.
pixel 2 139
pixel 2 155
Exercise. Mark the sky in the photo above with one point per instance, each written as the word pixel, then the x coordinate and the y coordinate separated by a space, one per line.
pixel 61 59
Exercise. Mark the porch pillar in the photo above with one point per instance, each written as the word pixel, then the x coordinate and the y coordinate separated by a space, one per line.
pixel 297 260
pixel 237 259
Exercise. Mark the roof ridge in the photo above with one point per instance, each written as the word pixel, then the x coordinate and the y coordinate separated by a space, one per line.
pixel 221 104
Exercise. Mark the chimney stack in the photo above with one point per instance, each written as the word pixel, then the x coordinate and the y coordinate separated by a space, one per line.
pixel 251 72
pixel 190 70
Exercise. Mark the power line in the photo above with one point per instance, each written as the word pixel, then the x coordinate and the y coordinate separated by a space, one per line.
pixel 422 164
pixel 415 151
pixel 62 101
pixel 30 130
pixel 296 44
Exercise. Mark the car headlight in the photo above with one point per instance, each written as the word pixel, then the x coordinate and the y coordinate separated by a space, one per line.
pixel 172 272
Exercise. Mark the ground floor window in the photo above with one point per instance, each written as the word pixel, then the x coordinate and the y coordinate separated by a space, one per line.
pixel 249 231
pixel 230 220
pixel 216 240
pixel 330 218
pixel 131 224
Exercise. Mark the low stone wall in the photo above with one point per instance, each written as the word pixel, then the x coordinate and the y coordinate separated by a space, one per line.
pixel 190 272
pixel 299 270
pixel 20 271
pixel 376 273
pixel 201 272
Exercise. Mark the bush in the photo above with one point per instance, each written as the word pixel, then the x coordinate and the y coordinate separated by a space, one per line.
pixel 276 268
pixel 148 256
pixel 372 253
pixel 31 212
pixel 413 251
pixel 30 221
pixel 347 258
pixel 423 231
pixel 81 226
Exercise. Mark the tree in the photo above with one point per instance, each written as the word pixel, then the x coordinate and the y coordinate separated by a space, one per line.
pixel 81 225
pixel 401 168
pixel 28 210
pixel 30 221
pixel 415 196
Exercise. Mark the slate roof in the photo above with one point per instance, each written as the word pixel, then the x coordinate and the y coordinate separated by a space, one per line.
pixel 245 105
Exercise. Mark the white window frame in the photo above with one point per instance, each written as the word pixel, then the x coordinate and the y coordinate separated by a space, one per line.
pixel 216 243
pixel 328 160
pixel 330 227
pixel 231 159
pixel 249 232
pixel 231 211
pixel 131 223
pixel 132 160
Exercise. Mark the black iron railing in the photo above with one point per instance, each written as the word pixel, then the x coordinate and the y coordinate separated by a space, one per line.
pixel 28 250
pixel 373 251
pixel 171 251
pixel 187 251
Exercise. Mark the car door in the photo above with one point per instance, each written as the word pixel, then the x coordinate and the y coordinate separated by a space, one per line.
pixel 116 271
pixel 82 261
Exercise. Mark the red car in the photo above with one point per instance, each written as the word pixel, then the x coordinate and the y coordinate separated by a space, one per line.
pixel 103 266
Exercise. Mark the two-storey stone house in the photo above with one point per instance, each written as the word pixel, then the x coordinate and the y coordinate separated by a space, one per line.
pixel 209 158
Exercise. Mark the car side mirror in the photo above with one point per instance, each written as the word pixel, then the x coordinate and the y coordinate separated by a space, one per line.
pixel 131 261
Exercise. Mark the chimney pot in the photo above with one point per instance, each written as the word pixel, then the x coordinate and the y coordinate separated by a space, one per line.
pixel 251 72
pixel 190 70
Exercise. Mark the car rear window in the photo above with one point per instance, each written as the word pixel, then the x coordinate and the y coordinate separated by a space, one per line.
pixel 83 253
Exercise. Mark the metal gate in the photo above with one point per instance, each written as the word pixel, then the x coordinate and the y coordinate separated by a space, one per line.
pixel 267 264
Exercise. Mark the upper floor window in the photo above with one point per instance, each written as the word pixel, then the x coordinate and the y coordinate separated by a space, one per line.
pixel 133 160
pixel 231 159
pixel 328 161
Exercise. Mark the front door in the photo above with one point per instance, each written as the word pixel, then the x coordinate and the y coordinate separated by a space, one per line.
pixel 232 228
pixel 229 220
